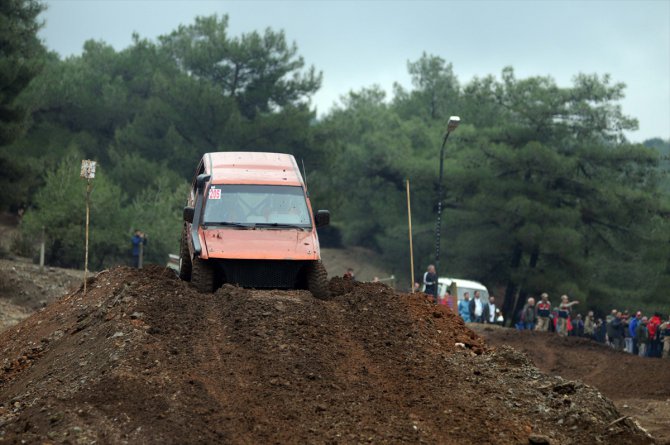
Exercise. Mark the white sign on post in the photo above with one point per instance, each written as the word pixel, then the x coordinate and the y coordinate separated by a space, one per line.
pixel 88 173
pixel 88 169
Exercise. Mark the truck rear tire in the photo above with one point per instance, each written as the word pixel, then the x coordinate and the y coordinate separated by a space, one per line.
pixel 184 258
pixel 202 275
pixel 317 280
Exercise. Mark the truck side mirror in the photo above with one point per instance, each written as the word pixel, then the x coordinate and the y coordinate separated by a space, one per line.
pixel 322 218
pixel 201 180
pixel 188 214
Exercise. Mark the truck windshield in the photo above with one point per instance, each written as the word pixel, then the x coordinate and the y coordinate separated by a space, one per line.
pixel 257 205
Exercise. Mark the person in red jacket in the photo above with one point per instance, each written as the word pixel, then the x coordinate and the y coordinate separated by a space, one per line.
pixel 563 321
pixel 543 311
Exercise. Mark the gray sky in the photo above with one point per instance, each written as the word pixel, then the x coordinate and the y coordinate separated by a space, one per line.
pixel 360 43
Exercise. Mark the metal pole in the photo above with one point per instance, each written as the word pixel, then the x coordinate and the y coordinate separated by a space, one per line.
pixel 88 211
pixel 438 225
pixel 141 256
pixel 42 251
pixel 411 249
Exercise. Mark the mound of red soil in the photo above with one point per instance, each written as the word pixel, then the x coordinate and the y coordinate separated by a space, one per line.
pixel 144 358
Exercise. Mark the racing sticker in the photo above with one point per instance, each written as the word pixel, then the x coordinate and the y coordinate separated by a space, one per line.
pixel 214 193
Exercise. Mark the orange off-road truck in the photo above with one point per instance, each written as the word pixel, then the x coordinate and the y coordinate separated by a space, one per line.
pixel 249 222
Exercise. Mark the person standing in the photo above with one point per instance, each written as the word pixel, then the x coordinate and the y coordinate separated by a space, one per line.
pixel 627 340
pixel 615 332
pixel 564 310
pixel 489 313
pixel 664 328
pixel 500 320
pixel 589 325
pixel 642 337
pixel 445 299
pixel 430 282
pixel 578 326
pixel 464 307
pixel 601 331
pixel 528 316
pixel 654 340
pixel 139 240
pixel 477 308
pixel 632 328
pixel 608 323
pixel 543 313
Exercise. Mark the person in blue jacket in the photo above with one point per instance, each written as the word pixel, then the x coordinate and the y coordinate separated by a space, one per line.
pixel 464 307
pixel 138 238
pixel 632 330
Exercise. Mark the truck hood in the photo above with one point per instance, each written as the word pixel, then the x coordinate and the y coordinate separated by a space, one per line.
pixel 260 244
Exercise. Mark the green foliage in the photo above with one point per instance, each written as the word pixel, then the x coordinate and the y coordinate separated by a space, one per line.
pixel 436 90
pixel 60 210
pixel 542 190
pixel 147 113
pixel 543 193
pixel 261 72
pixel 21 54
pixel 20 61
pixel 157 212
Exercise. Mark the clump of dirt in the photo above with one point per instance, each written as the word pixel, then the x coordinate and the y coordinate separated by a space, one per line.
pixel 144 358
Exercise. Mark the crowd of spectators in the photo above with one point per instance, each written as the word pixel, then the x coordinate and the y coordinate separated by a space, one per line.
pixel 622 331
pixel 634 334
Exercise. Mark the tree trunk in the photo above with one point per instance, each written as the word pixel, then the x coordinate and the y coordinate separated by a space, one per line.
pixel 523 293
pixel 510 291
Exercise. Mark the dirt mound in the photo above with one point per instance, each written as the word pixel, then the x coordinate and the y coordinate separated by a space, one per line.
pixel 144 358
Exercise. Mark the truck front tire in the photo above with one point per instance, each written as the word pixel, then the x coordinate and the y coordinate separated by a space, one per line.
pixel 202 275
pixel 184 258
pixel 317 280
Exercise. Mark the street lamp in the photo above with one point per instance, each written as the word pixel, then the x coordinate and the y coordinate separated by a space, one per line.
pixel 452 124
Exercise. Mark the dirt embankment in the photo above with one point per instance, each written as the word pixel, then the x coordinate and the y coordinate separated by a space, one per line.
pixel 24 288
pixel 144 358
pixel 640 387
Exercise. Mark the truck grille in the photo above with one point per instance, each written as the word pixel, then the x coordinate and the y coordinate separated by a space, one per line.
pixel 275 274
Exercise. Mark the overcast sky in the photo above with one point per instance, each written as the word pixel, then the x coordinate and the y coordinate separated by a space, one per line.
pixel 360 43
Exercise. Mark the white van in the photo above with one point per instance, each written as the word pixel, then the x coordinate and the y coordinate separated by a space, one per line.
pixel 462 286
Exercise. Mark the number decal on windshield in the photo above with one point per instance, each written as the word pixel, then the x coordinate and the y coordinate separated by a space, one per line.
pixel 214 193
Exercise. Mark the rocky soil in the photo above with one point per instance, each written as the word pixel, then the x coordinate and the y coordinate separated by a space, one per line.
pixel 639 387
pixel 144 358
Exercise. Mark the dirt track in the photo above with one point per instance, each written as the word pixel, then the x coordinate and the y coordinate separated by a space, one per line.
pixel 144 358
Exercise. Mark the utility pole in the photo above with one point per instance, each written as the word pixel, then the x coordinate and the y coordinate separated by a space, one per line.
pixel 140 259
pixel 411 250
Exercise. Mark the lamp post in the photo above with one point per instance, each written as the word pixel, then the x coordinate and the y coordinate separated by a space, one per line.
pixel 452 124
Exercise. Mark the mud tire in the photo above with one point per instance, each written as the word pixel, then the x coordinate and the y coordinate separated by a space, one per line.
pixel 185 265
pixel 202 275
pixel 317 280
